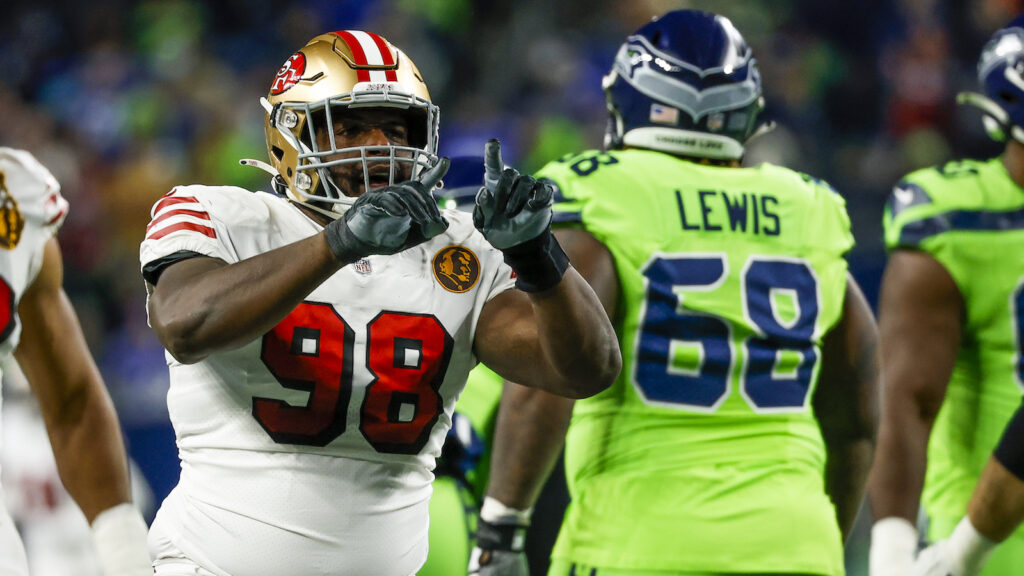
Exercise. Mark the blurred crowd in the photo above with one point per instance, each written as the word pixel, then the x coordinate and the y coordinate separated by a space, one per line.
pixel 124 100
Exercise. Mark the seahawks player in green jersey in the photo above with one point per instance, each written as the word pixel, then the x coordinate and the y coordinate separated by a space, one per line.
pixel 951 316
pixel 738 436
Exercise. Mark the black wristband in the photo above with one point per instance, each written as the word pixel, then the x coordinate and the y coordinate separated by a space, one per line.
pixel 510 537
pixel 343 243
pixel 1010 450
pixel 539 263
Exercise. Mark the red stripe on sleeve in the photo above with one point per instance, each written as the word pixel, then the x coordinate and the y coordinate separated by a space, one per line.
pixel 202 229
pixel 177 212
pixel 358 55
pixel 171 200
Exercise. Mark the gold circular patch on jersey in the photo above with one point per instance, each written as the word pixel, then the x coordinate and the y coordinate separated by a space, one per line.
pixel 456 268
pixel 11 221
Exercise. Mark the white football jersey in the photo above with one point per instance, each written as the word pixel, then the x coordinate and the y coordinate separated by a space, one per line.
pixel 309 450
pixel 31 212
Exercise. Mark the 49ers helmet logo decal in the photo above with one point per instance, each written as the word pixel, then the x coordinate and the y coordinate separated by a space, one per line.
pixel 289 74
pixel 456 268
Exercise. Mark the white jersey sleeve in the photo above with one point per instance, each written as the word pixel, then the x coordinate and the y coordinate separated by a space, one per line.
pixel 200 219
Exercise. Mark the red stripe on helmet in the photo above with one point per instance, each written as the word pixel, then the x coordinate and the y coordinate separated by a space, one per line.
pixel 362 75
pixel 385 53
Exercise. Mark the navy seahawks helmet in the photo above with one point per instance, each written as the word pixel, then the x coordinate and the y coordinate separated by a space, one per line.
pixel 685 83
pixel 1001 75
pixel 463 180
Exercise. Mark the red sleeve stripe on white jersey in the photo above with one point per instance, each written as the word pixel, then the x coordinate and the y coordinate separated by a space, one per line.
pixel 161 232
pixel 369 49
pixel 164 216
pixel 174 213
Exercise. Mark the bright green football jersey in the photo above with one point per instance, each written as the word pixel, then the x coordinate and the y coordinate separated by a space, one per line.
pixel 705 454
pixel 969 216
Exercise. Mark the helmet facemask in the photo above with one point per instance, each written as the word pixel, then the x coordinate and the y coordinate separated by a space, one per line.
pixel 320 151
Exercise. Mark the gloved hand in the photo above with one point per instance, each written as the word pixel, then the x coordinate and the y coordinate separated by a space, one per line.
pixel 499 550
pixel 964 553
pixel 513 212
pixel 389 219
pixel 893 545
pixel 500 539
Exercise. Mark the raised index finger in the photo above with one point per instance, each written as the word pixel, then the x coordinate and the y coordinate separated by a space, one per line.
pixel 493 166
pixel 431 177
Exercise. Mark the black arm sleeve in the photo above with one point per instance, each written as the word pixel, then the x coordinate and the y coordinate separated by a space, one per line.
pixel 1010 451
pixel 152 271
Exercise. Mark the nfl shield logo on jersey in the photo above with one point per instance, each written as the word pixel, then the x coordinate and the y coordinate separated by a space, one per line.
pixel 363 266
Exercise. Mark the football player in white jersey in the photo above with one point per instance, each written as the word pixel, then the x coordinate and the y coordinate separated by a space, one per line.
pixel 40 329
pixel 318 338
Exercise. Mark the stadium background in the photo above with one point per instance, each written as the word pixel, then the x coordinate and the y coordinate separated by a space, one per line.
pixel 123 100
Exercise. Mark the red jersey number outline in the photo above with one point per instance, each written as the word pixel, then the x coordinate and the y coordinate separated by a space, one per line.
pixel 312 350
pixel 8 316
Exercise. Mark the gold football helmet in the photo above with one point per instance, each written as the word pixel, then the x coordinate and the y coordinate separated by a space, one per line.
pixel 334 71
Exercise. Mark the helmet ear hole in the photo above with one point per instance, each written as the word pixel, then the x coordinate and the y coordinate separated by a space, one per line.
pixel 993 128
pixel 277 152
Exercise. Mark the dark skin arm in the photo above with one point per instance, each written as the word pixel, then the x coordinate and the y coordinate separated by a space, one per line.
pixel 920 322
pixel 997 505
pixel 846 404
pixel 560 340
pixel 204 305
pixel 531 424
pixel 79 416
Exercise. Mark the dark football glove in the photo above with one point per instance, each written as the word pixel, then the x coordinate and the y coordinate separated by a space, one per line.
pixel 513 212
pixel 499 550
pixel 390 219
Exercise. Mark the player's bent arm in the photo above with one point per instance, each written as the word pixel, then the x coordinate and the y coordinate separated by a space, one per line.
pixel 531 424
pixel 996 508
pixel 80 419
pixel 78 413
pixel 920 321
pixel 559 340
pixel 203 305
pixel 846 404
pixel 995 511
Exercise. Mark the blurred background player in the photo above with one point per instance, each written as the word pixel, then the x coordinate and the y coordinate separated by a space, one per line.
pixel 40 329
pixel 317 338
pixel 995 511
pixel 951 317
pixel 738 436
pixel 460 477
pixel 56 535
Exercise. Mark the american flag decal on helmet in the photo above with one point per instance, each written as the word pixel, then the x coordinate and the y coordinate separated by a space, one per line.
pixel 371 55
pixel 175 213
